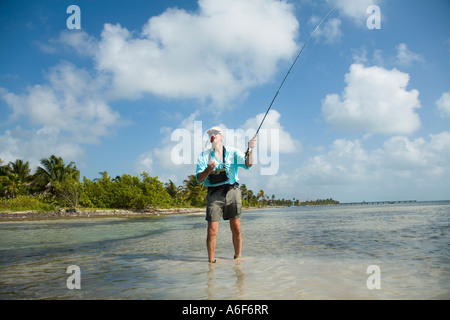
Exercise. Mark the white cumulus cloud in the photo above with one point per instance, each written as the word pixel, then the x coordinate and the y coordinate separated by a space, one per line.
pixel 402 168
pixel 71 101
pixel 443 105
pixel 375 100
pixel 354 9
pixel 272 123
pixel 330 31
pixel 405 56
pixel 63 113
pixel 345 162
pixel 214 54
pixel 181 146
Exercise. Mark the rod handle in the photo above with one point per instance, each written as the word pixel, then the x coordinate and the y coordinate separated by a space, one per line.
pixel 247 153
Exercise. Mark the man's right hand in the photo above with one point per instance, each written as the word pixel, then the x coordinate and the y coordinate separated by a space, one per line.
pixel 205 173
pixel 211 166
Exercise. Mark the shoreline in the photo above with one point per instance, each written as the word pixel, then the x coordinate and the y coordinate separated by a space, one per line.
pixel 98 213
pixel 94 213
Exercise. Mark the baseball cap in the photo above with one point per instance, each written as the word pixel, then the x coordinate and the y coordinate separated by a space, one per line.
pixel 214 131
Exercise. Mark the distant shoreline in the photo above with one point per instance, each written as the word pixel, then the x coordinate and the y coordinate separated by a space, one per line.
pixel 94 213
pixel 98 213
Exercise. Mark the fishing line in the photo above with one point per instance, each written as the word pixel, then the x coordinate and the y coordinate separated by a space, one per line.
pixel 287 74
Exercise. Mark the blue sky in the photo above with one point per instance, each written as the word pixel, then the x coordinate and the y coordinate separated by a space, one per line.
pixel 364 115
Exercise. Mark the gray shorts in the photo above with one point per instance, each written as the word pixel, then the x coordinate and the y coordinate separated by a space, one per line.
pixel 228 207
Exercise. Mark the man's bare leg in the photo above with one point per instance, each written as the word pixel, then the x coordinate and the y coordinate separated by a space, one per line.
pixel 235 226
pixel 213 228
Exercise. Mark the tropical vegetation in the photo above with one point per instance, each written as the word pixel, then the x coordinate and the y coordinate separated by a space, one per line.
pixel 55 184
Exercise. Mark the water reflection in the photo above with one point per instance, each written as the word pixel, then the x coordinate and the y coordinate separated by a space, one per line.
pixel 239 274
pixel 240 277
pixel 210 288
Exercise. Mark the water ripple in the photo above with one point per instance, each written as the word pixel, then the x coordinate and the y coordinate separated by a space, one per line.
pixel 291 253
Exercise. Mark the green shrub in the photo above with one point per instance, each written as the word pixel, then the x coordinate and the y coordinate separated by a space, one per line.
pixel 25 203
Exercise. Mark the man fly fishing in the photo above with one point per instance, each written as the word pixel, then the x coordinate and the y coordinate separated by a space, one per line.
pixel 217 169
pixel 224 196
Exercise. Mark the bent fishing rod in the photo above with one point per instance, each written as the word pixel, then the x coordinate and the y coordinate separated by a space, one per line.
pixel 285 77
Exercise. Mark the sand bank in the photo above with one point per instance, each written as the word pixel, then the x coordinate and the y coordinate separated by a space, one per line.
pixel 73 213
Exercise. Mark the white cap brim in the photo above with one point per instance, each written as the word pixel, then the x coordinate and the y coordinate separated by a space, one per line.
pixel 214 131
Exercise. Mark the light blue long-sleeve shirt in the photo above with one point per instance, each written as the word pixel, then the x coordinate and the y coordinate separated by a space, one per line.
pixel 233 160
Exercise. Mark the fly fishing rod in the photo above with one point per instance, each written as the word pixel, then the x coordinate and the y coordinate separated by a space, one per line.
pixel 285 77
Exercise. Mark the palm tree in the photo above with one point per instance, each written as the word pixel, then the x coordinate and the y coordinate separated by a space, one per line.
pixel 53 171
pixel 194 191
pixel 3 169
pixel 261 195
pixel 105 177
pixel 22 169
pixel 171 189
pixel 251 198
pixel 15 178
pixel 244 192
pixel 176 193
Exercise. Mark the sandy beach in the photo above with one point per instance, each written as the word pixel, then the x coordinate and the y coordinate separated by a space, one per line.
pixel 72 213
pixel 87 213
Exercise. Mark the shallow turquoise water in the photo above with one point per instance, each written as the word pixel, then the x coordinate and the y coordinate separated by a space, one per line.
pixel 290 253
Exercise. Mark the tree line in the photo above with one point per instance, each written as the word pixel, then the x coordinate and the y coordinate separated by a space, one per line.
pixel 55 184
